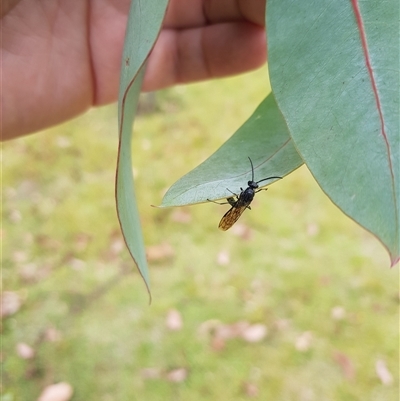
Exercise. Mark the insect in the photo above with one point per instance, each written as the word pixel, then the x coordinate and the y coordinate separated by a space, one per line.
pixel 240 202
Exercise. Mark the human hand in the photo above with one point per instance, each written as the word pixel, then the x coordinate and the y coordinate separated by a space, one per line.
pixel 60 58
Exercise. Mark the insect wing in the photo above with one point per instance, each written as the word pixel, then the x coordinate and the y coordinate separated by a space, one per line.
pixel 231 217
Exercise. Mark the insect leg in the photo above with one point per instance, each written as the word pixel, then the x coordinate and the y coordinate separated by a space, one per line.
pixel 221 203
pixel 229 201
pixel 233 192
pixel 262 189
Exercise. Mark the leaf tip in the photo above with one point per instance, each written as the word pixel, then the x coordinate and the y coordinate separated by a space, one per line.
pixel 157 207
pixel 394 261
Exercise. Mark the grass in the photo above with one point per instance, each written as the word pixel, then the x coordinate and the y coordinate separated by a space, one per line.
pixel 320 284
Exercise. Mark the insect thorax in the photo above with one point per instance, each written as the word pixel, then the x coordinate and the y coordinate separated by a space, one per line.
pixel 247 195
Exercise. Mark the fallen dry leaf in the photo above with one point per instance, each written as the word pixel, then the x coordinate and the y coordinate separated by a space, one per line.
pixel 181 216
pixel 174 320
pixel 56 392
pixel 177 375
pixel 151 373
pixel 10 303
pixel 29 272
pixel 346 364
pixel 242 231
pixel 218 343
pixel 117 246
pixel 77 264
pixel 221 332
pixel 19 256
pixel 383 372
pixel 338 313
pixel 15 216
pixel 207 327
pixel 81 241
pixel 254 333
pixel 157 253
pixel 282 324
pixel 52 334
pixel 234 330
pixel 63 142
pixel 250 389
pixel 25 351
pixel 312 229
pixel 48 242
pixel 303 342
pixel 223 258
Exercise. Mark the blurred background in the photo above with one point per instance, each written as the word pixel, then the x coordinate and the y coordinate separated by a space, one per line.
pixel 295 302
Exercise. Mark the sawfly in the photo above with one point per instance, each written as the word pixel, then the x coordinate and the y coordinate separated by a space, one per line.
pixel 239 203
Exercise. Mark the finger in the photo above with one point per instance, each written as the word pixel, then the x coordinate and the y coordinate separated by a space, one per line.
pixel 196 13
pixel 204 53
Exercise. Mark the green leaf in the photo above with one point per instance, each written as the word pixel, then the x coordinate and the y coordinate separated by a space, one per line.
pixel 263 137
pixel 144 24
pixel 334 69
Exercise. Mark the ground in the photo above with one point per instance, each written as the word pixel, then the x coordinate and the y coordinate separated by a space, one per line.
pixel 295 302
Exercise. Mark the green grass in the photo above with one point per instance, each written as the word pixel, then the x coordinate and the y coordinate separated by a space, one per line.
pixel 299 258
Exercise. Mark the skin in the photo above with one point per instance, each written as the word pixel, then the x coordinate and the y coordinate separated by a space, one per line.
pixel 61 57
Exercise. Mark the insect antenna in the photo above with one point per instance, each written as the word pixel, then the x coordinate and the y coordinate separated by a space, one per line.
pixel 264 179
pixel 252 169
pixel 269 178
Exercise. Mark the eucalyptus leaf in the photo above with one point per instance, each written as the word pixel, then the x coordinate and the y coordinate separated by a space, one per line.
pixel 334 69
pixel 264 138
pixel 144 24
